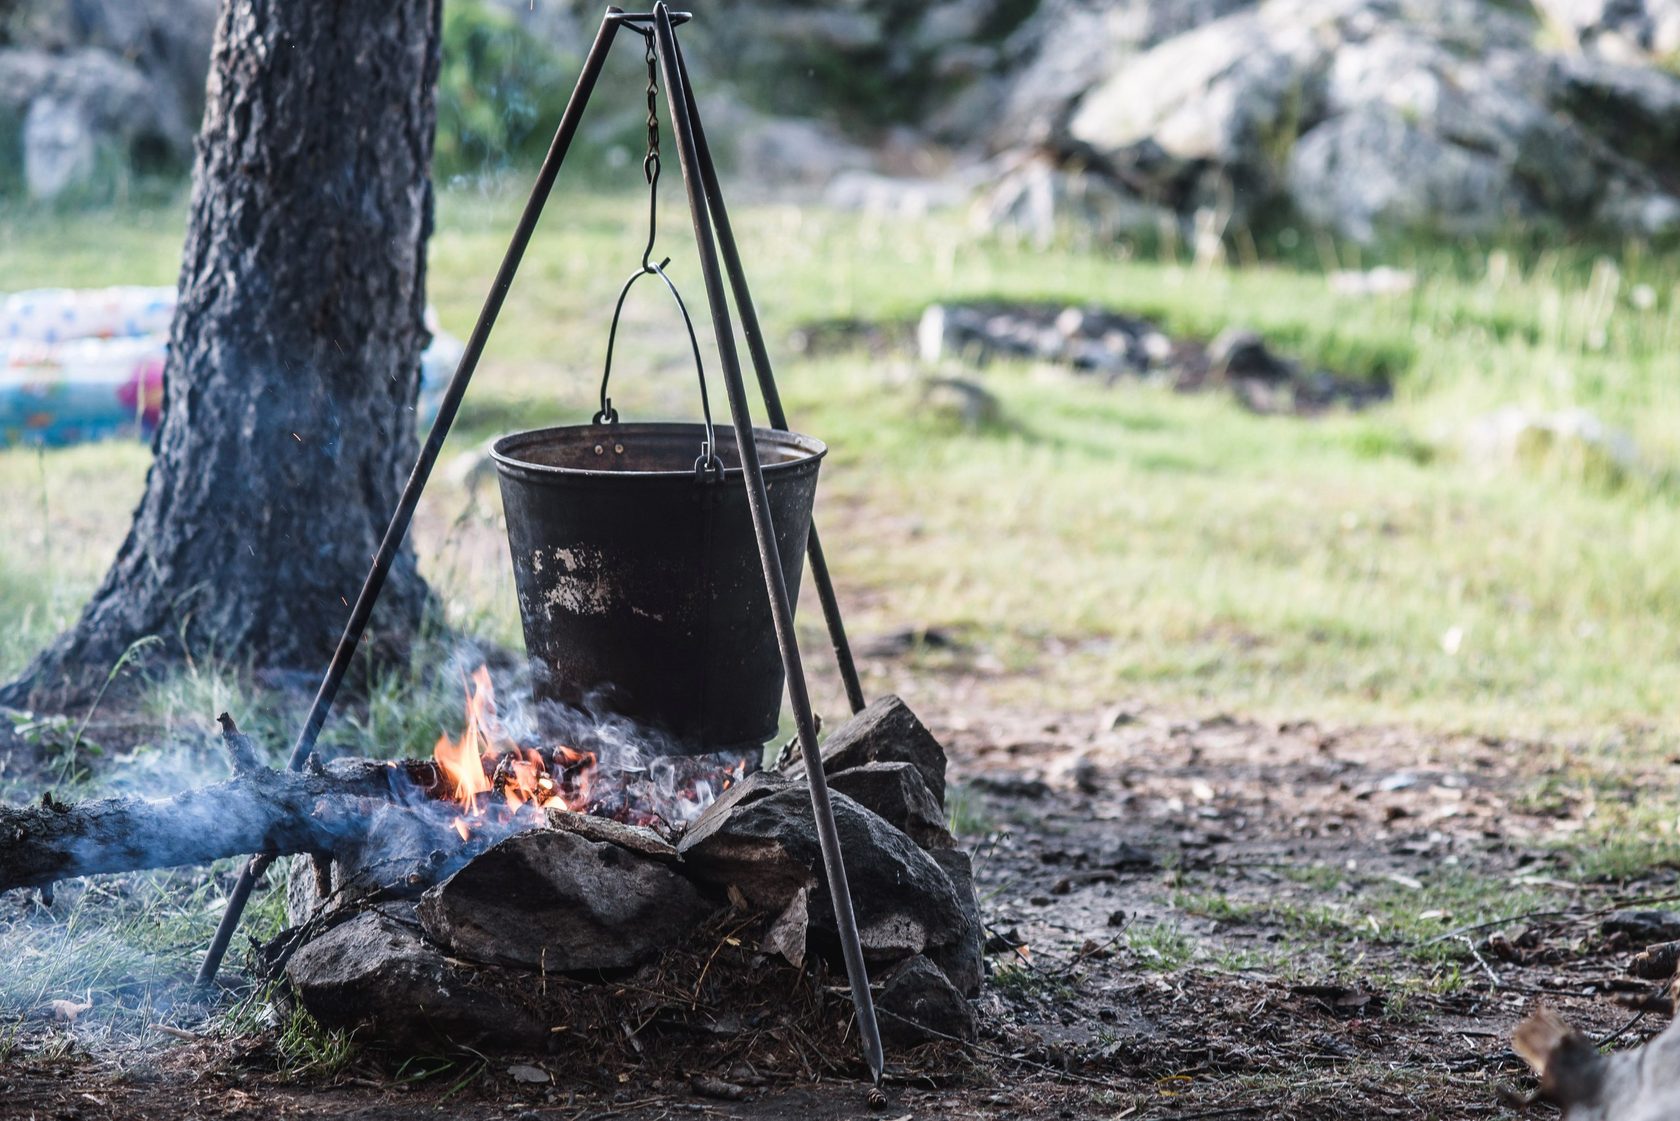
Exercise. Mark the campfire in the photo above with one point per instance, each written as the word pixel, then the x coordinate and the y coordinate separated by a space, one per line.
pixel 516 891
pixel 578 868
pixel 502 785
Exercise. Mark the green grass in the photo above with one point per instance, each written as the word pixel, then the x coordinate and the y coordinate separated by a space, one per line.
pixel 1164 548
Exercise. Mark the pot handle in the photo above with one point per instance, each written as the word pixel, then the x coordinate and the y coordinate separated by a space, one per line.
pixel 708 465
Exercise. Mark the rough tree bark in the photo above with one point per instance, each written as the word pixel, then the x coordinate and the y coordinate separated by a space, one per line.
pixel 288 421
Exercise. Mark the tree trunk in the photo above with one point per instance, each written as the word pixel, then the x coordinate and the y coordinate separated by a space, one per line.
pixel 288 420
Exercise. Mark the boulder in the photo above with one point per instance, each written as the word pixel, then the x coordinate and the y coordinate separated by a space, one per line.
pixel 120 77
pixel 1036 197
pixel 375 971
pixel 1578 439
pixel 1367 116
pixel 74 105
pixel 559 902
pixel 898 793
pixel 768 851
pixel 1622 30
pixel 917 1004
pixel 166 40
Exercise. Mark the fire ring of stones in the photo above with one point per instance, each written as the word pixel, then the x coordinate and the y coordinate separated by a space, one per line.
pixel 584 928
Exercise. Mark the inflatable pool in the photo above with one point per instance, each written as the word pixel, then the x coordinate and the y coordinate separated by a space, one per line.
pixel 87 364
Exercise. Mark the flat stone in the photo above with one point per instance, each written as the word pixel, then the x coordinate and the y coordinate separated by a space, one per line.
pixel 561 903
pixel 768 851
pixel 899 793
pixel 759 784
pixel 637 838
pixel 376 972
pixel 885 732
pixel 918 1004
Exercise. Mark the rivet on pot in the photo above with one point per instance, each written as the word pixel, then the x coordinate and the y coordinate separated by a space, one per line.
pixel 599 450
pixel 619 448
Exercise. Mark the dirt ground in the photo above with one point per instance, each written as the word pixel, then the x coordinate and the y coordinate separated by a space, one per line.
pixel 1201 918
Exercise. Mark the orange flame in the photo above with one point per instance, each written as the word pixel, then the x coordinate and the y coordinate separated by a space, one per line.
pixel 491 776
pixel 485 760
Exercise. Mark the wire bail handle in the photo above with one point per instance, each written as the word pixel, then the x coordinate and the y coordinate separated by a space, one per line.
pixel 708 466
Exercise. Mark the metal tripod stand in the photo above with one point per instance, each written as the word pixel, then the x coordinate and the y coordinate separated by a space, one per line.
pixel 715 239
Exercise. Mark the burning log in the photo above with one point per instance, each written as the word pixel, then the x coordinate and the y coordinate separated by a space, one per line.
pixel 257 811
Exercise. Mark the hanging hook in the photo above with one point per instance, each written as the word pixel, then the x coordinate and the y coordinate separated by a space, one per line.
pixel 708 465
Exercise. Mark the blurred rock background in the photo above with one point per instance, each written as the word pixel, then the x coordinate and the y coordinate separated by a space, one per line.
pixel 1196 119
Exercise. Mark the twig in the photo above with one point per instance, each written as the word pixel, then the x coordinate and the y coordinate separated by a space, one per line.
pixel 1474 928
pixel 1493 978
pixel 1614 905
pixel 1623 1030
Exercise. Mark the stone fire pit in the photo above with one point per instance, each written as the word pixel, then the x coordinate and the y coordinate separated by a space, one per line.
pixel 581 924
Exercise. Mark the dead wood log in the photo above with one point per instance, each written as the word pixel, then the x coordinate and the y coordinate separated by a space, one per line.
pixel 256 811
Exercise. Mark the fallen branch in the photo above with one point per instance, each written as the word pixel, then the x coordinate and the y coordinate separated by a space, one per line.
pixel 257 811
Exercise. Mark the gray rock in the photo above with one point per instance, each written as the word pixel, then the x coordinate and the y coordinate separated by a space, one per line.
pixel 793 150
pixel 1036 198
pixel 1515 436
pixel 1623 30
pixel 74 105
pixel 967 402
pixel 898 793
pixel 885 732
pixel 166 40
pixel 1372 170
pixel 1238 352
pixel 561 903
pixel 124 77
pixel 768 851
pixel 1371 115
pixel 962 958
pixel 1214 94
pixel 376 972
pixel 918 1004
pixel 759 784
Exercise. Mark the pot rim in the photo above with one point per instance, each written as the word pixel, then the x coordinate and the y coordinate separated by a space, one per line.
pixel 504 452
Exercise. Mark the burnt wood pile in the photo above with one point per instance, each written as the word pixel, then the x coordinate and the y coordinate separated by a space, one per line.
pixel 401 940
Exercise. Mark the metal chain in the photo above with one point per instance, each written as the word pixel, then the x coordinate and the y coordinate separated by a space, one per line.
pixel 650 162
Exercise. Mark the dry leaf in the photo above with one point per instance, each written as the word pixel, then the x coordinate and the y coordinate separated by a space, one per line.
pixel 67 1010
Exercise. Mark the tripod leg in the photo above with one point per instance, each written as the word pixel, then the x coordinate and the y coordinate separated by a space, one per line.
pixel 767 384
pixel 417 479
pixel 781 607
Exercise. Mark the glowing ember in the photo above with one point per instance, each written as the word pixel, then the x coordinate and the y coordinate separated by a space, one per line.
pixel 493 777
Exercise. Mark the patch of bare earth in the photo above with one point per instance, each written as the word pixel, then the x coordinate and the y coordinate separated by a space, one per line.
pixel 1189 918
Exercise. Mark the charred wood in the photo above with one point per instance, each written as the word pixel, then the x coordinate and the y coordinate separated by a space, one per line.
pixel 259 811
